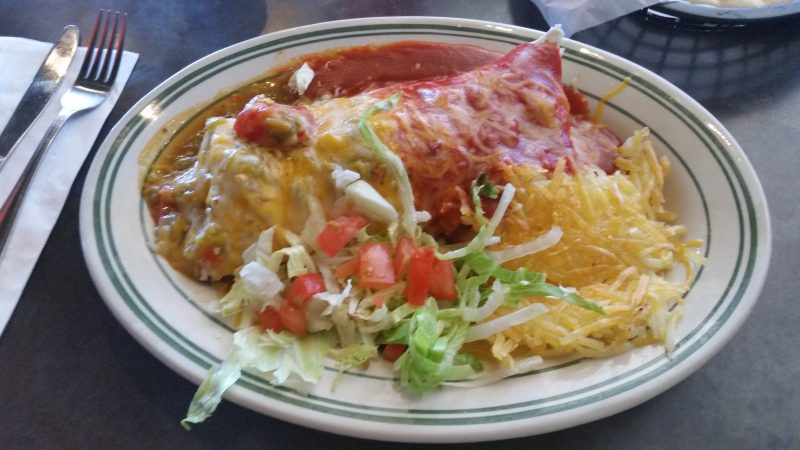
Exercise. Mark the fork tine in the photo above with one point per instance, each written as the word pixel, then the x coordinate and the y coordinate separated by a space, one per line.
pixel 98 66
pixel 84 72
pixel 118 48
pixel 97 58
pixel 105 68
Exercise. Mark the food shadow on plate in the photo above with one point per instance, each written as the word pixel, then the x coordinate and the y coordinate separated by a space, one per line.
pixel 710 62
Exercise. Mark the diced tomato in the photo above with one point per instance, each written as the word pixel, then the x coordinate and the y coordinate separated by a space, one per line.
pixel 402 254
pixel 375 269
pixel 270 319
pixel 349 267
pixel 249 123
pixel 419 275
pixel 379 301
pixel 304 287
pixel 338 232
pixel 293 317
pixel 393 351
pixel 210 255
pixel 443 280
pixel 273 124
pixel 166 203
pixel 164 207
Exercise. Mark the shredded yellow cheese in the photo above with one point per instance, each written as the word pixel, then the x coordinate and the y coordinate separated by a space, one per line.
pixel 617 246
pixel 598 110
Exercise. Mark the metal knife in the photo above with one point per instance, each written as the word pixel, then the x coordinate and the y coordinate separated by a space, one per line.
pixel 44 84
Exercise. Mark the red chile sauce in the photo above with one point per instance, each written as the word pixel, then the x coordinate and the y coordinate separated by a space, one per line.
pixel 351 71
pixel 340 72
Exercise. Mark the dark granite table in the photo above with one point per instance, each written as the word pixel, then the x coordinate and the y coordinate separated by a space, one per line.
pixel 71 377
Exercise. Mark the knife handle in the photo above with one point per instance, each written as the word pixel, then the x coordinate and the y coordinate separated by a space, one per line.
pixel 11 207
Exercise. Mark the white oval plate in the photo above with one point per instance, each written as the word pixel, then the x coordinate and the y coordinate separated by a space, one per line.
pixel 712 187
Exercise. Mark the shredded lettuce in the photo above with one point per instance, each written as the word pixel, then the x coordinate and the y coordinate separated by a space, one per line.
pixel 393 162
pixel 315 320
pixel 433 345
pixel 422 216
pixel 486 188
pixel 282 354
pixel 279 355
pixel 520 366
pixel 299 261
pixel 522 282
pixel 481 186
pixel 542 242
pixel 495 300
pixel 261 248
pixel 523 290
pixel 398 335
pixel 291 238
pixel 235 300
pixel 260 280
pixel 465 366
pixel 255 287
pixel 345 326
pixel 328 276
pixel 332 299
pixel 352 356
pixel 391 320
pixel 209 394
pixel 315 223
pixel 485 235
pixel 492 327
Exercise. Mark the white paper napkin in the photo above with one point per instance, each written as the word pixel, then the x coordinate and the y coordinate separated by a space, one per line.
pixel 577 15
pixel 19 61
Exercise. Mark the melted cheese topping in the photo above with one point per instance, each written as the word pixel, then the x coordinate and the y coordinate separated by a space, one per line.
pixel 227 196
pixel 235 189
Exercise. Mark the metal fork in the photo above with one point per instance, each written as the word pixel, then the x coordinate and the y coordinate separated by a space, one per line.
pixel 97 75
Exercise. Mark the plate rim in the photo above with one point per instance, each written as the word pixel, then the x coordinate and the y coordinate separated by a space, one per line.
pixel 623 401
pixel 717 14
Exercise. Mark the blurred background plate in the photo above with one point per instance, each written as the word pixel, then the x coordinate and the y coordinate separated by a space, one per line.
pixel 713 14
